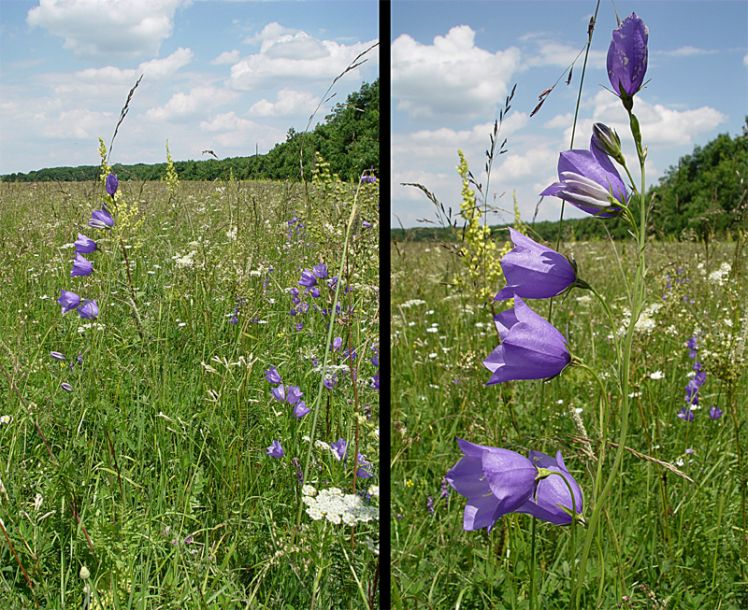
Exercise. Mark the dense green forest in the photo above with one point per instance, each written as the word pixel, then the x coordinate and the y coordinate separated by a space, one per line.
pixel 705 195
pixel 348 139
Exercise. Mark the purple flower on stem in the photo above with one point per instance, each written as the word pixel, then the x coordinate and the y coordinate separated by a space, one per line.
pixel 320 271
pixel 66 386
pixel 685 414
pixel 81 266
pixel 273 376
pixel 430 505
pixel 299 326
pixel 368 179
pixel 279 393
pixel 332 282
pixel 88 310
pixel 337 343
pixel 330 382
pixel 111 184
pixel 68 300
pixel 275 450
pixel 339 448
pixel 494 481
pixel 444 491
pixel 589 181
pixel 293 394
pixel 363 464
pixel 101 219
pixel 715 413
pixel 314 291
pixel 533 271
pixel 375 381
pixel 300 410
pixel 530 347
pixel 551 501
pixel 308 279
pixel 58 356
pixel 692 347
pixel 627 56
pixel 84 245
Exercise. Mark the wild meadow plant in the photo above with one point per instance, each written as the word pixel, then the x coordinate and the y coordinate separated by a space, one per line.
pixel 638 532
pixel 149 460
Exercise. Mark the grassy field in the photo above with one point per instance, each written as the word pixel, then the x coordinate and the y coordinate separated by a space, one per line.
pixel 664 540
pixel 145 481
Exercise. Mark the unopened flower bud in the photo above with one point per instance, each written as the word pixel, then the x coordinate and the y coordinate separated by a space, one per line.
pixel 606 140
pixel 84 573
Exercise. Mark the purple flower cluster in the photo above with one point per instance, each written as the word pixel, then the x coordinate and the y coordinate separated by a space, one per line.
pixel 694 385
pixel 499 481
pixel 291 394
pixel 339 450
pixel 295 228
pixel 82 267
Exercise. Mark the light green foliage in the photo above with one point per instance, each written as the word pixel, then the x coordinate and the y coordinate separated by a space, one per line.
pixel 162 442
pixel 482 273
pixel 170 177
pixel 665 542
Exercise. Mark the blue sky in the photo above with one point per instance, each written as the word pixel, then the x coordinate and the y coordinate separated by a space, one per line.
pixel 224 76
pixel 453 64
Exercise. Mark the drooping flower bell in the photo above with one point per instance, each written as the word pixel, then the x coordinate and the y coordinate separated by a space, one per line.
pixel 275 450
pixel 589 181
pixel 84 245
pixel 494 481
pixel 101 219
pixel 530 348
pixel 111 184
pixel 606 140
pixel 551 501
pixel 68 300
pixel 533 271
pixel 627 58
pixel 81 267
pixel 273 376
pixel 88 310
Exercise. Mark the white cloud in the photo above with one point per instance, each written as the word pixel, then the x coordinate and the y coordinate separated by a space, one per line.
pixel 450 76
pixel 745 59
pixel 227 57
pixel 230 130
pixel 153 69
pixel 287 54
pixel 123 28
pixel 288 102
pixel 551 53
pixel 688 51
pixel 660 125
pixel 185 104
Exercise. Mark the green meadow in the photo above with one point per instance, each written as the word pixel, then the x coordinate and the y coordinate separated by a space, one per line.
pixel 145 481
pixel 673 532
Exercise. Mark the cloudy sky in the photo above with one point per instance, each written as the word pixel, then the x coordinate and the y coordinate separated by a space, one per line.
pixel 453 64
pixel 218 75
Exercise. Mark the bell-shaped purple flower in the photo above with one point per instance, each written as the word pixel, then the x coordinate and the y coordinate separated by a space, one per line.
pixel 308 279
pixel 551 501
pixel 275 450
pixel 627 56
pixel 337 343
pixel 530 348
pixel 300 410
pixel 293 394
pixel 279 393
pixel 533 271
pixel 273 376
pixel 339 448
pixel 111 184
pixel 715 413
pixel 88 310
pixel 81 266
pixel 588 180
pixel 101 219
pixel 68 300
pixel 320 271
pixel 363 464
pixel 686 414
pixel 58 356
pixel 494 481
pixel 84 245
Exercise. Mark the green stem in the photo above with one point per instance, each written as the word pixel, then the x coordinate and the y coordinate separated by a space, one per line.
pixel 533 559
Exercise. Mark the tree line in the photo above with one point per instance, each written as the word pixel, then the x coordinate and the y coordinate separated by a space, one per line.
pixel 348 140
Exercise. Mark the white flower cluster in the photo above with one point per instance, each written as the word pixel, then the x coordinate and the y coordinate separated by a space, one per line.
pixel 337 507
pixel 719 276
pixel 412 303
pixel 646 322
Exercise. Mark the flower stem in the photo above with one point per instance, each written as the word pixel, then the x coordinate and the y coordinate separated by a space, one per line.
pixel 533 560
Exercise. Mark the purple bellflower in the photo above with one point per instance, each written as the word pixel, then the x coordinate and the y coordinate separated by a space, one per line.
pixel 279 393
pixel 88 310
pixel 686 414
pixel 68 300
pixel 363 464
pixel 715 413
pixel 530 348
pixel 273 376
pixel 533 271
pixel 337 343
pixel 111 184
pixel 58 356
pixel 339 448
pixel 81 266
pixel 101 219
pixel 293 394
pixel 589 181
pixel 308 279
pixel 627 57
pixel 84 245
pixel 494 481
pixel 300 410
pixel 551 501
pixel 320 271
pixel 275 450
